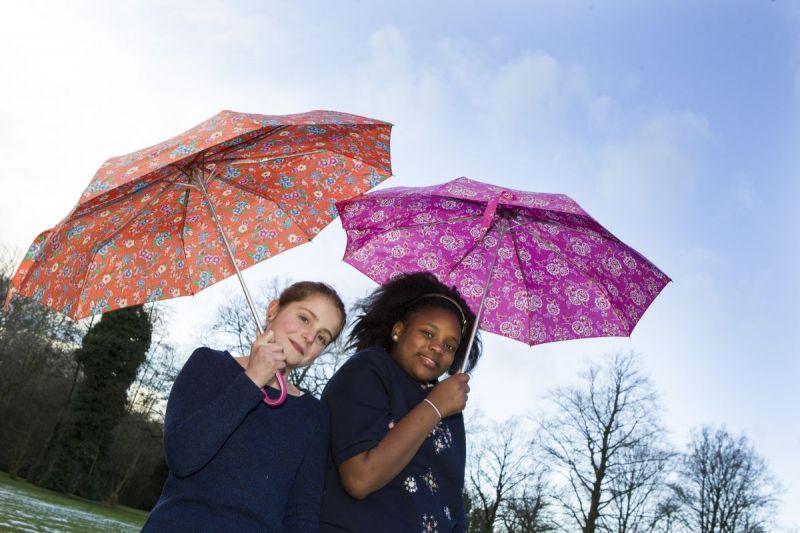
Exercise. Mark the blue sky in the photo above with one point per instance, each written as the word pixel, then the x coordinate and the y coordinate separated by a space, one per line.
pixel 674 124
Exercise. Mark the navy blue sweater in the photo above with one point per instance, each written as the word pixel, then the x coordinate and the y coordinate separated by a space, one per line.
pixel 235 463
pixel 366 397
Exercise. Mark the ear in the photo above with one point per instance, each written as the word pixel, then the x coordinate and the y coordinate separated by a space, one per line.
pixel 272 309
pixel 397 329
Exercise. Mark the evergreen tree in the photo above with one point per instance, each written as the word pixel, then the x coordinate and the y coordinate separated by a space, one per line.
pixel 109 357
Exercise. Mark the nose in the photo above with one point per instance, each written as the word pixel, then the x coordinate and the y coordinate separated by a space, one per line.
pixel 435 345
pixel 308 336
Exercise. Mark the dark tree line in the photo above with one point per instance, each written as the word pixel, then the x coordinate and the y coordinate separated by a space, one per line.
pixel 77 398
pixel 109 357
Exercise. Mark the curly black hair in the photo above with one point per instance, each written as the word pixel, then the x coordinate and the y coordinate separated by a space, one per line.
pixel 399 298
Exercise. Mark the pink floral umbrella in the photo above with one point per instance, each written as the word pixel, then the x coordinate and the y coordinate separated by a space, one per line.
pixel 536 267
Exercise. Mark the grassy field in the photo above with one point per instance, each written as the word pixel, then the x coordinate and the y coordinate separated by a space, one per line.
pixel 25 507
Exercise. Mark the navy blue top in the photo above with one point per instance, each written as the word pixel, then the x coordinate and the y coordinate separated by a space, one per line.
pixel 235 463
pixel 365 397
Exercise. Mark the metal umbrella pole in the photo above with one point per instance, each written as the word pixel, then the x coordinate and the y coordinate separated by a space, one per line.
pixel 475 325
pixel 201 186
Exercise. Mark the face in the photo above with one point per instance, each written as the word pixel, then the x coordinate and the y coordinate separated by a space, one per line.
pixel 426 343
pixel 304 328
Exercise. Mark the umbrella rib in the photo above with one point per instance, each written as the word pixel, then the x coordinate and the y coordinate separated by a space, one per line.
pixel 214 158
pixel 113 234
pixel 582 230
pixel 586 274
pixel 423 224
pixel 461 219
pixel 116 200
pixel 525 285
pixel 179 167
pixel 187 196
pixel 474 243
pixel 265 197
pixel 438 223
pixel 265 158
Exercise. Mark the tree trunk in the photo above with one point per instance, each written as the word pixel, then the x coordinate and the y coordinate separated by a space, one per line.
pixel 34 476
pixel 113 498
pixel 21 451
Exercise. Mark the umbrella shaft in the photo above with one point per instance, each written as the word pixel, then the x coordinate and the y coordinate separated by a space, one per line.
pixel 202 187
pixel 475 325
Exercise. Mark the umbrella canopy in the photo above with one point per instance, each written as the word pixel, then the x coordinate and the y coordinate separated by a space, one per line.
pixel 535 267
pixel 177 217
pixel 144 229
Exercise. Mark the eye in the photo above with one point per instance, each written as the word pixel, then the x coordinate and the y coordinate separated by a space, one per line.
pixel 303 319
pixel 427 334
pixel 451 347
pixel 323 340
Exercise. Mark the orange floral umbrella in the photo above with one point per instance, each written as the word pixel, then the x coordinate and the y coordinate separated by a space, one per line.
pixel 175 218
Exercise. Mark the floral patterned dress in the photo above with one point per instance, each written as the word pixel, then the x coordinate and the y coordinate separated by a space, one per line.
pixel 366 397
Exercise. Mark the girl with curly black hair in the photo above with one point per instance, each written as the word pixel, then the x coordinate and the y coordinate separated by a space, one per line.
pixel 397 433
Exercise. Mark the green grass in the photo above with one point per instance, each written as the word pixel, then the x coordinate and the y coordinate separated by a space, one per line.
pixel 26 507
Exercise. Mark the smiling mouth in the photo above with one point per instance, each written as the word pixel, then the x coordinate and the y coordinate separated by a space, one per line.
pixel 427 361
pixel 297 348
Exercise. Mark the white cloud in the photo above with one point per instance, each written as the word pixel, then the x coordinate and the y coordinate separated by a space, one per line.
pixel 526 93
pixel 391 80
pixel 655 165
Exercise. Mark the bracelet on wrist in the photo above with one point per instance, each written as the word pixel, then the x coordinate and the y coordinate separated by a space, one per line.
pixel 434 407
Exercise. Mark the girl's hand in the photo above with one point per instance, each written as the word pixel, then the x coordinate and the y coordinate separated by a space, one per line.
pixel 450 395
pixel 266 359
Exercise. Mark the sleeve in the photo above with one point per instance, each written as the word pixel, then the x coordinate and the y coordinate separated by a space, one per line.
pixel 305 495
pixel 358 398
pixel 200 415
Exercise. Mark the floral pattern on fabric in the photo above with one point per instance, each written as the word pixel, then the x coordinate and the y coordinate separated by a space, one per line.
pixel 429 524
pixel 143 230
pixel 410 484
pixel 557 274
pixel 441 436
pixel 430 481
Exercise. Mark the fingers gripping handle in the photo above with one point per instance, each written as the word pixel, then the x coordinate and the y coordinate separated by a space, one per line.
pixel 277 402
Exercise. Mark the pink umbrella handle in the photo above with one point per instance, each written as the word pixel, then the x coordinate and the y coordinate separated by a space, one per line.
pixel 280 399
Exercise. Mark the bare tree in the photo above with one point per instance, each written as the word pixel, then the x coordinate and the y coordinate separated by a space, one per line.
pixel 638 489
pixel 604 442
pixel 147 396
pixel 35 356
pixel 666 518
pixel 140 434
pixel 530 511
pixel 724 486
pixel 34 339
pixel 315 376
pixel 233 326
pixel 503 482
